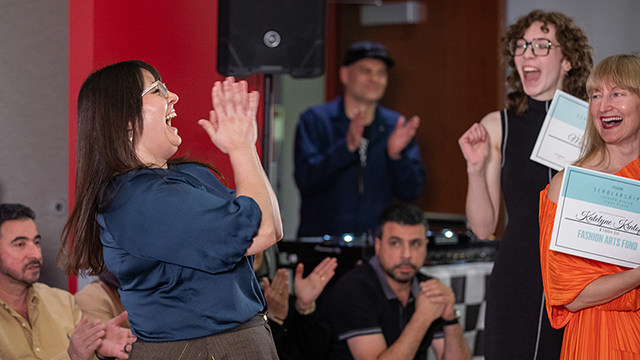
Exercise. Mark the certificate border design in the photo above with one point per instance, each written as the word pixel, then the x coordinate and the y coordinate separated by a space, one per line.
pixel 569 171
pixel 559 96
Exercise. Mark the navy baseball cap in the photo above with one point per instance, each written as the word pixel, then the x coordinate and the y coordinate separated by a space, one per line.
pixel 367 49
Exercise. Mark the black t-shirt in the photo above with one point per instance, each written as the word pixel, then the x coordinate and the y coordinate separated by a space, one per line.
pixel 362 303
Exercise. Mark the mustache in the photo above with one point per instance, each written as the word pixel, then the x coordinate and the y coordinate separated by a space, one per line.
pixel 405 263
pixel 33 262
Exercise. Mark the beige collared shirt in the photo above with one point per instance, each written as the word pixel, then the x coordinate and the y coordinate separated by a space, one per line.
pixel 53 315
pixel 98 301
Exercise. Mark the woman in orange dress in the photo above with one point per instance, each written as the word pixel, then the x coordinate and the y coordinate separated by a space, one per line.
pixel 598 302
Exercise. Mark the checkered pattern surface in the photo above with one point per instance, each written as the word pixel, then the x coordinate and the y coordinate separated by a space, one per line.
pixel 468 282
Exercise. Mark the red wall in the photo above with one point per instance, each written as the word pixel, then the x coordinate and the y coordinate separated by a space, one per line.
pixel 179 38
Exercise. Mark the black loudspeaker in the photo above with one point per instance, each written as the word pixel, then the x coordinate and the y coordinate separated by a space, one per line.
pixel 271 36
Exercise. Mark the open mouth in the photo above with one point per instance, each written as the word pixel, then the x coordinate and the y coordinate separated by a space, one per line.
pixel 531 73
pixel 168 118
pixel 611 121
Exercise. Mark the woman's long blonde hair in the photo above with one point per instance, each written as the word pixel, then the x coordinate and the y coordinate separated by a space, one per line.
pixel 622 71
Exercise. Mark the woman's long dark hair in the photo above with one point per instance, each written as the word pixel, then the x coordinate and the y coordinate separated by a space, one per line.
pixel 109 124
pixel 573 43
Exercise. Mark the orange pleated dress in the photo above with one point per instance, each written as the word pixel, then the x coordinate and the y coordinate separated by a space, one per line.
pixel 607 331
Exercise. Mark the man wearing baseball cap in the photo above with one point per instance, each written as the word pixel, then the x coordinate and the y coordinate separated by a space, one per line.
pixel 353 157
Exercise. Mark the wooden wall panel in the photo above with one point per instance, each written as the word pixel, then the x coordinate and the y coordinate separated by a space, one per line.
pixel 448 71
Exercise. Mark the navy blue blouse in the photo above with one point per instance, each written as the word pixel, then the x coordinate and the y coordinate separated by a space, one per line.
pixel 176 240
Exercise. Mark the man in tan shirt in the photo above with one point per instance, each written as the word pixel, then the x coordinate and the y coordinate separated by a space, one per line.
pixel 37 321
pixel 101 300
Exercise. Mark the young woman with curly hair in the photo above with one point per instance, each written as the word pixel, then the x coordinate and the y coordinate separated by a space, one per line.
pixel 546 51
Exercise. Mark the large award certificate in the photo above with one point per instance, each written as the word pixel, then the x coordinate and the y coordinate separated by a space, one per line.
pixel 560 138
pixel 598 217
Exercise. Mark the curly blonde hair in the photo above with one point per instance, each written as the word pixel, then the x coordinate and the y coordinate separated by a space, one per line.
pixel 573 43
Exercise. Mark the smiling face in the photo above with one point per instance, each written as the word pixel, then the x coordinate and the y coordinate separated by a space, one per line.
pixel 615 113
pixel 402 250
pixel 365 80
pixel 159 140
pixel 542 75
pixel 20 253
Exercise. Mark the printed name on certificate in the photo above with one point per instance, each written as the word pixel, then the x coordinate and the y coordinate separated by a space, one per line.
pixel 560 138
pixel 598 217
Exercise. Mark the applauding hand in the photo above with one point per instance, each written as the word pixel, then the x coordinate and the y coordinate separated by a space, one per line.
pixel 276 294
pixel 232 122
pixel 308 289
pixel 401 136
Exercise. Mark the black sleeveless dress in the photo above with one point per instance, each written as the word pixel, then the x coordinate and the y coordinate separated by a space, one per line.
pixel 516 323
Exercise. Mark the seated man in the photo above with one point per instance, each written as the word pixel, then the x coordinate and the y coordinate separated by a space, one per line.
pixel 385 308
pixel 101 299
pixel 39 322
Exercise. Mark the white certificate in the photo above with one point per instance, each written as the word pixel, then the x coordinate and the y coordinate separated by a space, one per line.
pixel 560 138
pixel 598 217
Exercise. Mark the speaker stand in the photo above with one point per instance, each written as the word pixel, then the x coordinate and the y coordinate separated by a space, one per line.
pixel 267 129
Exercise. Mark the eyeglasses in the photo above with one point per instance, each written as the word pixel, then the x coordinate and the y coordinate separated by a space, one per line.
pixel 161 86
pixel 539 47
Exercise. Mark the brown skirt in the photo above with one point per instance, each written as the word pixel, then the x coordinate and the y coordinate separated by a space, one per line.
pixel 249 340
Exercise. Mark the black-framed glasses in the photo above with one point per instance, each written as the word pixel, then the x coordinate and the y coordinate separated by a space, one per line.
pixel 539 47
pixel 161 86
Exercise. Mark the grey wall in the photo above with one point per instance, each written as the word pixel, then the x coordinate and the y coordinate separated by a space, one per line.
pixel 612 26
pixel 33 122
pixel 295 96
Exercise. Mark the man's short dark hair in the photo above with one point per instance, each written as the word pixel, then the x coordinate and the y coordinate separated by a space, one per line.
pixel 15 212
pixel 405 214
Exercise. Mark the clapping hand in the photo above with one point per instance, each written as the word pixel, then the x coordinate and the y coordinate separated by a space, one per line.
pixel 401 136
pixel 276 294
pixel 355 132
pixel 85 339
pixel 308 289
pixel 232 122
pixel 117 341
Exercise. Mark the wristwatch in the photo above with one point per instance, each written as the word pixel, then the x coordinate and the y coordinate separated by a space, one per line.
pixel 458 315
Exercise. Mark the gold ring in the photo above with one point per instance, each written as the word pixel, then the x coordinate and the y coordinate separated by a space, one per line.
pixel 322 278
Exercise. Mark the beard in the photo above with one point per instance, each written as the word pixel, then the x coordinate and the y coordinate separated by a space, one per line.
pixel 398 276
pixel 27 276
